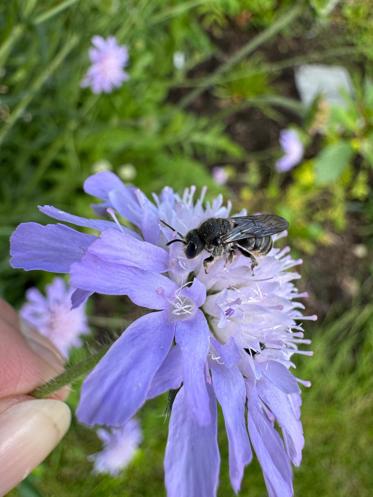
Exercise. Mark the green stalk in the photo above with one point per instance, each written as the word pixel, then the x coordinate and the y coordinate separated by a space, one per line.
pixel 45 16
pixel 176 10
pixel 252 45
pixel 35 87
pixel 9 42
pixel 70 375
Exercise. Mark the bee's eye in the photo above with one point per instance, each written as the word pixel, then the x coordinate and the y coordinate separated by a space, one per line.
pixel 191 250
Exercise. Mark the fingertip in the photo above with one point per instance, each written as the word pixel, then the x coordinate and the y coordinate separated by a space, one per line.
pixel 29 431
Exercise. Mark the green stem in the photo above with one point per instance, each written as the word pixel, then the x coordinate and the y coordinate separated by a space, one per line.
pixel 9 42
pixel 35 87
pixel 273 100
pixel 252 45
pixel 45 16
pixel 175 11
pixel 70 375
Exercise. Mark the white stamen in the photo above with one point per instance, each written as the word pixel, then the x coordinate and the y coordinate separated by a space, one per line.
pixel 182 306
pixel 112 214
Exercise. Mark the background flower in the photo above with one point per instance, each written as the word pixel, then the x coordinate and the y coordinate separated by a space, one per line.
pixel 120 445
pixel 108 59
pixel 52 316
pixel 293 150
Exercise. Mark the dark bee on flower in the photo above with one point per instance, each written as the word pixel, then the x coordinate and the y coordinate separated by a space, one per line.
pixel 249 235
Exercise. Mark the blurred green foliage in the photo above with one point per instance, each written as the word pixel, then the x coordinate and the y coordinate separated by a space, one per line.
pixel 224 106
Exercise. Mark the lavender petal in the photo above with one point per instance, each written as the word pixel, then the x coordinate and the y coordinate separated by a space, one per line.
pixel 144 288
pixel 169 376
pixel 192 458
pixel 119 384
pixel 269 449
pixel 121 248
pixel 53 247
pixel 193 338
pixel 229 387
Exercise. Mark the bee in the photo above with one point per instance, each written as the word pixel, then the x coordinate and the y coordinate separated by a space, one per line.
pixel 250 236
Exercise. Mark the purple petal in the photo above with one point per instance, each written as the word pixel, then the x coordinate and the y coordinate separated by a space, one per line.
pixel 196 292
pixel 144 288
pixel 169 376
pixel 269 450
pixel 192 458
pixel 120 248
pixel 132 204
pixel 53 247
pixel 101 184
pixel 227 353
pixel 96 224
pixel 279 375
pixel 229 387
pixel 79 297
pixel 279 404
pixel 119 384
pixel 193 338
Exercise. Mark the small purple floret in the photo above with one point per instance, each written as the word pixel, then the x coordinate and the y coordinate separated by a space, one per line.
pixel 52 316
pixel 293 150
pixel 108 60
pixel 119 447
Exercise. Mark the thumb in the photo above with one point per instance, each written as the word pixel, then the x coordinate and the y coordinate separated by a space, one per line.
pixel 29 430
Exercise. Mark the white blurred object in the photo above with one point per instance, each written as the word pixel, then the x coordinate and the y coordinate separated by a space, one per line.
pixel 127 172
pixel 329 81
pixel 101 165
pixel 178 60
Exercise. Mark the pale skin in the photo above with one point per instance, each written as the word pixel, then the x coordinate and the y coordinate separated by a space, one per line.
pixel 29 428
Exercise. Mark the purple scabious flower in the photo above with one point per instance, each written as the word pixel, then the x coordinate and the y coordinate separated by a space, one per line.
pixel 293 150
pixel 120 445
pixel 107 62
pixel 52 316
pixel 226 336
pixel 219 175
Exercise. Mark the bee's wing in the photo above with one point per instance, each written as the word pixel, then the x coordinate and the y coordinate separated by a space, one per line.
pixel 258 225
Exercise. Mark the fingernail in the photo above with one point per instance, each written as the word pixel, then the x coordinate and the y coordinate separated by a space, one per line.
pixel 28 433
pixel 42 346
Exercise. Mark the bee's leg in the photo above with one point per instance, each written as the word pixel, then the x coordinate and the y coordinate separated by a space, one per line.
pixel 254 263
pixel 246 253
pixel 229 258
pixel 207 262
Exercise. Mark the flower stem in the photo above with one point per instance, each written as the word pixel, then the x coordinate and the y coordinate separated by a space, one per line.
pixel 70 375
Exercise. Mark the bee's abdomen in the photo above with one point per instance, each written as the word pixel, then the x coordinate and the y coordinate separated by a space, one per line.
pixel 262 245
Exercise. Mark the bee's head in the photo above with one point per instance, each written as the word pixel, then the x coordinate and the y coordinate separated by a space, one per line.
pixel 194 244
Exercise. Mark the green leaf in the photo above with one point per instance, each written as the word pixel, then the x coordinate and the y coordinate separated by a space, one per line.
pixel 332 161
pixel 367 149
pixel 27 488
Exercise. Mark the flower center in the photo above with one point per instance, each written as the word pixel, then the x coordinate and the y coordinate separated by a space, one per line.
pixel 182 307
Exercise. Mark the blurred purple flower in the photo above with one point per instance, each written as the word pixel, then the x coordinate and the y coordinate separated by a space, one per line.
pixel 226 336
pixel 219 175
pixel 108 60
pixel 52 316
pixel 293 150
pixel 120 445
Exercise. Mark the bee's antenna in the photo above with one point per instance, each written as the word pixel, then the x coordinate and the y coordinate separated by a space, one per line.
pixel 176 240
pixel 173 229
